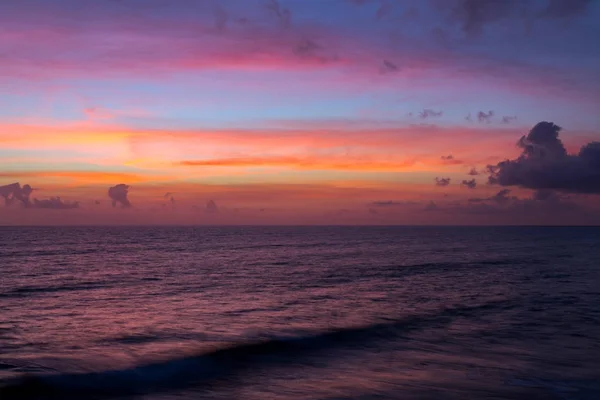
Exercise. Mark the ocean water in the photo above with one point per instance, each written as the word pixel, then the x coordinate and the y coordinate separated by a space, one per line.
pixel 300 313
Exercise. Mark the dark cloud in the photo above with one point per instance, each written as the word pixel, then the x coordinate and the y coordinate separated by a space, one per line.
pixel 483 117
pixel 172 201
pixel 221 18
pixel 169 196
pixel 384 9
pixel 501 198
pixel 429 113
pixel 392 203
pixel 118 195
pixel 431 206
pixel 503 207
pixel 97 202
pixel 14 192
pixel 474 15
pixel 309 49
pixel 565 8
pixel 541 206
pixel 306 47
pixel 477 200
pixel 508 119
pixel 442 181
pixel 473 172
pixel 343 212
pixel 211 207
pixel 450 160
pixel 545 164
pixel 471 184
pixel 544 195
pixel 542 142
pixel 283 14
pixel 55 203
pixel 388 66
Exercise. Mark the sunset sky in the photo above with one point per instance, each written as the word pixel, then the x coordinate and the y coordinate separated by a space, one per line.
pixel 300 111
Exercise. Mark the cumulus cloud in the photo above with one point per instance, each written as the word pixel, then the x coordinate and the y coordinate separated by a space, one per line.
pixel 118 195
pixel 429 113
pixel 15 191
pixel 473 172
pixel 442 181
pixel 450 160
pixel 545 164
pixel 483 117
pixel 211 207
pixel 471 184
pixel 55 203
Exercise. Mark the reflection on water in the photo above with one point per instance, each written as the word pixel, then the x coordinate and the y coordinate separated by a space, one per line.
pixel 300 313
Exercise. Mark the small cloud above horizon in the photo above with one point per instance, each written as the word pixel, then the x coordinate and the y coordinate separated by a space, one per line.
pixel 118 194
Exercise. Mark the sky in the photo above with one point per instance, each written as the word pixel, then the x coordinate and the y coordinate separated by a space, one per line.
pixel 299 112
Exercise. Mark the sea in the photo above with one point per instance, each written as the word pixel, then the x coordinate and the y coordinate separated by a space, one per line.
pixel 299 313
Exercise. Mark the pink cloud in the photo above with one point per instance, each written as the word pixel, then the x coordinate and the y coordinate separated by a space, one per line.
pixel 114 44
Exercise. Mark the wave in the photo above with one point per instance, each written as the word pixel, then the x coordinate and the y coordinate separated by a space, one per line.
pixel 25 291
pixel 153 337
pixel 57 252
pixel 217 364
pixel 426 268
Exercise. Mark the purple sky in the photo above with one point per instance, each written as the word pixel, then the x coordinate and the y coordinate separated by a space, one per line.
pixel 337 111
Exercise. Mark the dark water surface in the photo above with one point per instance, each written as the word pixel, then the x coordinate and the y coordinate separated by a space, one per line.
pixel 300 313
